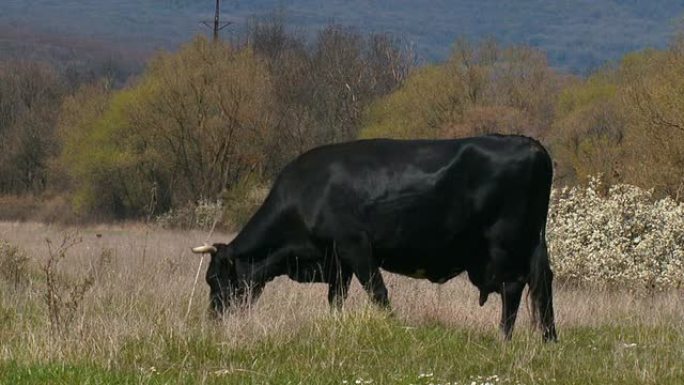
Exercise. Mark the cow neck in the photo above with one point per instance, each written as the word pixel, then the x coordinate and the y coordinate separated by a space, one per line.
pixel 259 236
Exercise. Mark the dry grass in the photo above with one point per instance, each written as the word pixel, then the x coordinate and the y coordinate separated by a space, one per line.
pixel 135 312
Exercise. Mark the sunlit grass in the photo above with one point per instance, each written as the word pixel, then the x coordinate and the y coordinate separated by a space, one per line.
pixel 131 328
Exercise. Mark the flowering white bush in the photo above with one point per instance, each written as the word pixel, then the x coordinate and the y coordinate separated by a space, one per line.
pixel 623 236
pixel 201 215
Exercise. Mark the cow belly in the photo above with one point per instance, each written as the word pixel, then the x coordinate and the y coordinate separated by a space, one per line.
pixel 436 268
pixel 306 272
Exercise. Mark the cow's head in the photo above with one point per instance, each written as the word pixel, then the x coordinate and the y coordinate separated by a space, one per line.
pixel 221 275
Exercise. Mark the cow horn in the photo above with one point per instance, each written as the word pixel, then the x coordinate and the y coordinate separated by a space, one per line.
pixel 204 249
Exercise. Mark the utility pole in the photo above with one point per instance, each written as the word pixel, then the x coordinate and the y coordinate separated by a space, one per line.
pixel 217 24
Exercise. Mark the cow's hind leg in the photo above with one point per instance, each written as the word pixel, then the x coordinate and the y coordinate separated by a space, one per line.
pixel 510 288
pixel 511 293
pixel 357 254
pixel 541 279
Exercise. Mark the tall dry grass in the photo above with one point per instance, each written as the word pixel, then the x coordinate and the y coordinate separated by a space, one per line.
pixel 143 280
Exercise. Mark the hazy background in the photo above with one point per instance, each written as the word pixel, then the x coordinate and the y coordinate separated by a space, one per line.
pixel 578 35
pixel 94 96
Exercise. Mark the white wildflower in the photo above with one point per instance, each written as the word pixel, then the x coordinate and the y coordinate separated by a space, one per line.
pixel 626 236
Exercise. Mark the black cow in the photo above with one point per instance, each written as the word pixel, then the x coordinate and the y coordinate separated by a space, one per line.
pixel 421 208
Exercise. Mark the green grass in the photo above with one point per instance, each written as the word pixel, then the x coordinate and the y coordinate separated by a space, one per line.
pixel 371 347
pixel 132 327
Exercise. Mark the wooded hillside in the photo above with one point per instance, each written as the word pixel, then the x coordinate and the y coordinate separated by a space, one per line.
pixel 215 122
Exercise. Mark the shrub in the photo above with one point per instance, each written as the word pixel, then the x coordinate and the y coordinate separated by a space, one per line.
pixel 617 235
pixel 194 124
pixel 13 264
pixel 626 123
pixel 230 212
pixel 198 215
pixel 63 295
pixel 242 201
pixel 480 89
pixel 18 207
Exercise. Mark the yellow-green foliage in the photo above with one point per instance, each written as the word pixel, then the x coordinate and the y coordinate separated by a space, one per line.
pixel 209 114
pixel 589 125
pixel 654 99
pixel 418 109
pixel 193 125
pixel 102 152
pixel 595 89
pixel 478 90
pixel 626 123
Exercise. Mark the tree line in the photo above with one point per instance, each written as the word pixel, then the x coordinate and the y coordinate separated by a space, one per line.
pixel 214 118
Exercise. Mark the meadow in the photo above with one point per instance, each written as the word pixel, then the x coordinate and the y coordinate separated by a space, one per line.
pixel 119 305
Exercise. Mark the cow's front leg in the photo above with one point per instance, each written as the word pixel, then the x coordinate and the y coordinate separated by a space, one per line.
pixel 371 279
pixel 357 254
pixel 338 287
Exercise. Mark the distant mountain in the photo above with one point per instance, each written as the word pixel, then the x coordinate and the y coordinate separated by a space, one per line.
pixel 578 35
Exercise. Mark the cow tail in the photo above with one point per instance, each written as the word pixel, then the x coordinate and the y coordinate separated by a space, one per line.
pixel 539 279
pixel 540 275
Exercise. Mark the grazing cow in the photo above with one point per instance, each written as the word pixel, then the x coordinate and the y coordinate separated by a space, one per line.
pixel 421 208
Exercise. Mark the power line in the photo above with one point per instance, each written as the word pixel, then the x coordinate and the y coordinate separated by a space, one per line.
pixel 217 23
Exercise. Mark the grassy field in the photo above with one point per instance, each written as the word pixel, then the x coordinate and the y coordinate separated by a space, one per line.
pixel 119 308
